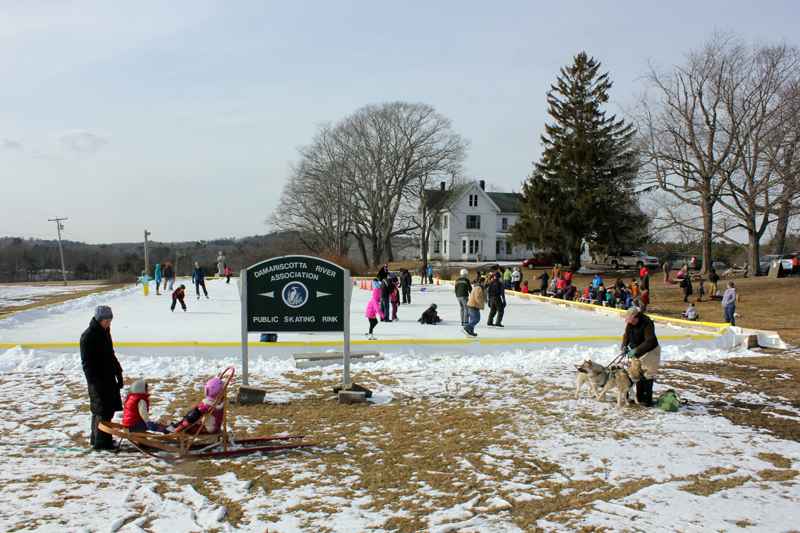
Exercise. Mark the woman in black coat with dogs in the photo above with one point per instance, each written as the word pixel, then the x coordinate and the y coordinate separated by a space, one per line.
pixel 103 375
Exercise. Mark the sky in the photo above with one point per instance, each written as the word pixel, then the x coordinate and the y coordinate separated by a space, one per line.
pixel 183 118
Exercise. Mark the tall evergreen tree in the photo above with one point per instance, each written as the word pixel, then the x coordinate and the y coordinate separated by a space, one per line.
pixel 582 189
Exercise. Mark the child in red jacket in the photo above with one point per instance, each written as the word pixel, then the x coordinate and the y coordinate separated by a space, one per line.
pixel 178 295
pixel 136 411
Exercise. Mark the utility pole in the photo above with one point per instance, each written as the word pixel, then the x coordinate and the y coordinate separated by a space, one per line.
pixel 146 264
pixel 60 226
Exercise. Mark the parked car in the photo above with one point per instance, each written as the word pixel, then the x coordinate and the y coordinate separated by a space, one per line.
pixel 786 261
pixel 547 261
pixel 631 259
pixel 765 262
pixel 695 262
pixel 719 267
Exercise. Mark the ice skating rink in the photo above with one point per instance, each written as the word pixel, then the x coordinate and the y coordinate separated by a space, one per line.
pixel 145 324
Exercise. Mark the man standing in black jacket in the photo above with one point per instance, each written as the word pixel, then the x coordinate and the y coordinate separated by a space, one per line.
pixel 497 301
pixel 405 285
pixel 103 375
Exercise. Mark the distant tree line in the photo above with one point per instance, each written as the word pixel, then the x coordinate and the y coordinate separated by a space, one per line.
pixel 39 260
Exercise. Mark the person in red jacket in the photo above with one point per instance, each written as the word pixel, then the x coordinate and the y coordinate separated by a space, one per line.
pixel 136 411
pixel 177 296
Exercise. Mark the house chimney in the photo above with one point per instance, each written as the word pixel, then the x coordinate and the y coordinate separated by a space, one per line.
pixel 441 185
pixel 482 184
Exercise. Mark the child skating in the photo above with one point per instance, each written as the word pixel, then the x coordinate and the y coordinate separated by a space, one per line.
pixel 373 310
pixel 177 296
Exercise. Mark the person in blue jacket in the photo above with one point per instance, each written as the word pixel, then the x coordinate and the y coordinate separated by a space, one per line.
pixel 199 279
pixel 597 281
pixel 157 277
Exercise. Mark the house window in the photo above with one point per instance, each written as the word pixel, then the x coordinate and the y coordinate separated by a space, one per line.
pixel 444 247
pixel 473 200
pixel 504 224
pixel 473 222
pixel 474 246
pixel 497 247
pixel 444 222
pixel 436 247
pixel 464 246
pixel 508 247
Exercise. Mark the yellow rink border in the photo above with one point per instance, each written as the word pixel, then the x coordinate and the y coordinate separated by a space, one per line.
pixel 542 340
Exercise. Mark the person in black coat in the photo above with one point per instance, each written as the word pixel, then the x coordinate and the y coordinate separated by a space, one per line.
pixel 405 285
pixel 543 285
pixel 103 375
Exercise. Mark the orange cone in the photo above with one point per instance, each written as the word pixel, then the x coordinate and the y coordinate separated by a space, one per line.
pixel 437 281
pixel 355 282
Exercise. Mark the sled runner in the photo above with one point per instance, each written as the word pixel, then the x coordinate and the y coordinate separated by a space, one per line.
pixel 192 444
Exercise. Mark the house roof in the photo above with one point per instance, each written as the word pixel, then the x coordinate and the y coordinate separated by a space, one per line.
pixel 506 201
pixel 437 199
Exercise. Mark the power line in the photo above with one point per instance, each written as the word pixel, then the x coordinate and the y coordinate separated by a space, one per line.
pixel 27 234
pixel 24 222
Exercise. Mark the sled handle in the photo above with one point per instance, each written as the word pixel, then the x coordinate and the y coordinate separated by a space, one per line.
pixel 228 380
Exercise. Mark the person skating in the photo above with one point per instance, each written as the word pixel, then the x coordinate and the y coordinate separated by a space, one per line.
pixel 228 274
pixel 640 342
pixel 405 285
pixel 157 277
pixel 145 281
pixel 430 316
pixel 383 273
pixel 178 296
pixel 475 304
pixel 394 298
pixel 463 287
pixel 199 279
pixel 497 302
pixel 169 276
pixel 373 310
pixel 103 375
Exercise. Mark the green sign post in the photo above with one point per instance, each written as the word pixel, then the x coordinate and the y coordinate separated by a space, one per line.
pixel 296 293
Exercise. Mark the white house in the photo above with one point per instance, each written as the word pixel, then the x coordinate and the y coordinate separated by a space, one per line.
pixel 474 225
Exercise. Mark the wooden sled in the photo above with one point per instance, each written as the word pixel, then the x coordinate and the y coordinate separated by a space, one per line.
pixel 192 444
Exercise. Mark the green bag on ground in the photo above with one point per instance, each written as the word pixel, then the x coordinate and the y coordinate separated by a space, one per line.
pixel 668 401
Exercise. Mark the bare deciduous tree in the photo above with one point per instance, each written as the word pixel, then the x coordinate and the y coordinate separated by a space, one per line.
pixel 365 176
pixel 755 100
pixel 686 148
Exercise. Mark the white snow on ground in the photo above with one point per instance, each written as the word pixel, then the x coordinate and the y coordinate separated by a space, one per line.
pixel 12 295
pixel 47 488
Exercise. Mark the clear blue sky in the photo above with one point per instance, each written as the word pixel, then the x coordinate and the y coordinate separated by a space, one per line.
pixel 182 117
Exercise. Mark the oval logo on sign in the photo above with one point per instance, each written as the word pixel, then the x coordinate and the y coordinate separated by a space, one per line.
pixel 295 294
